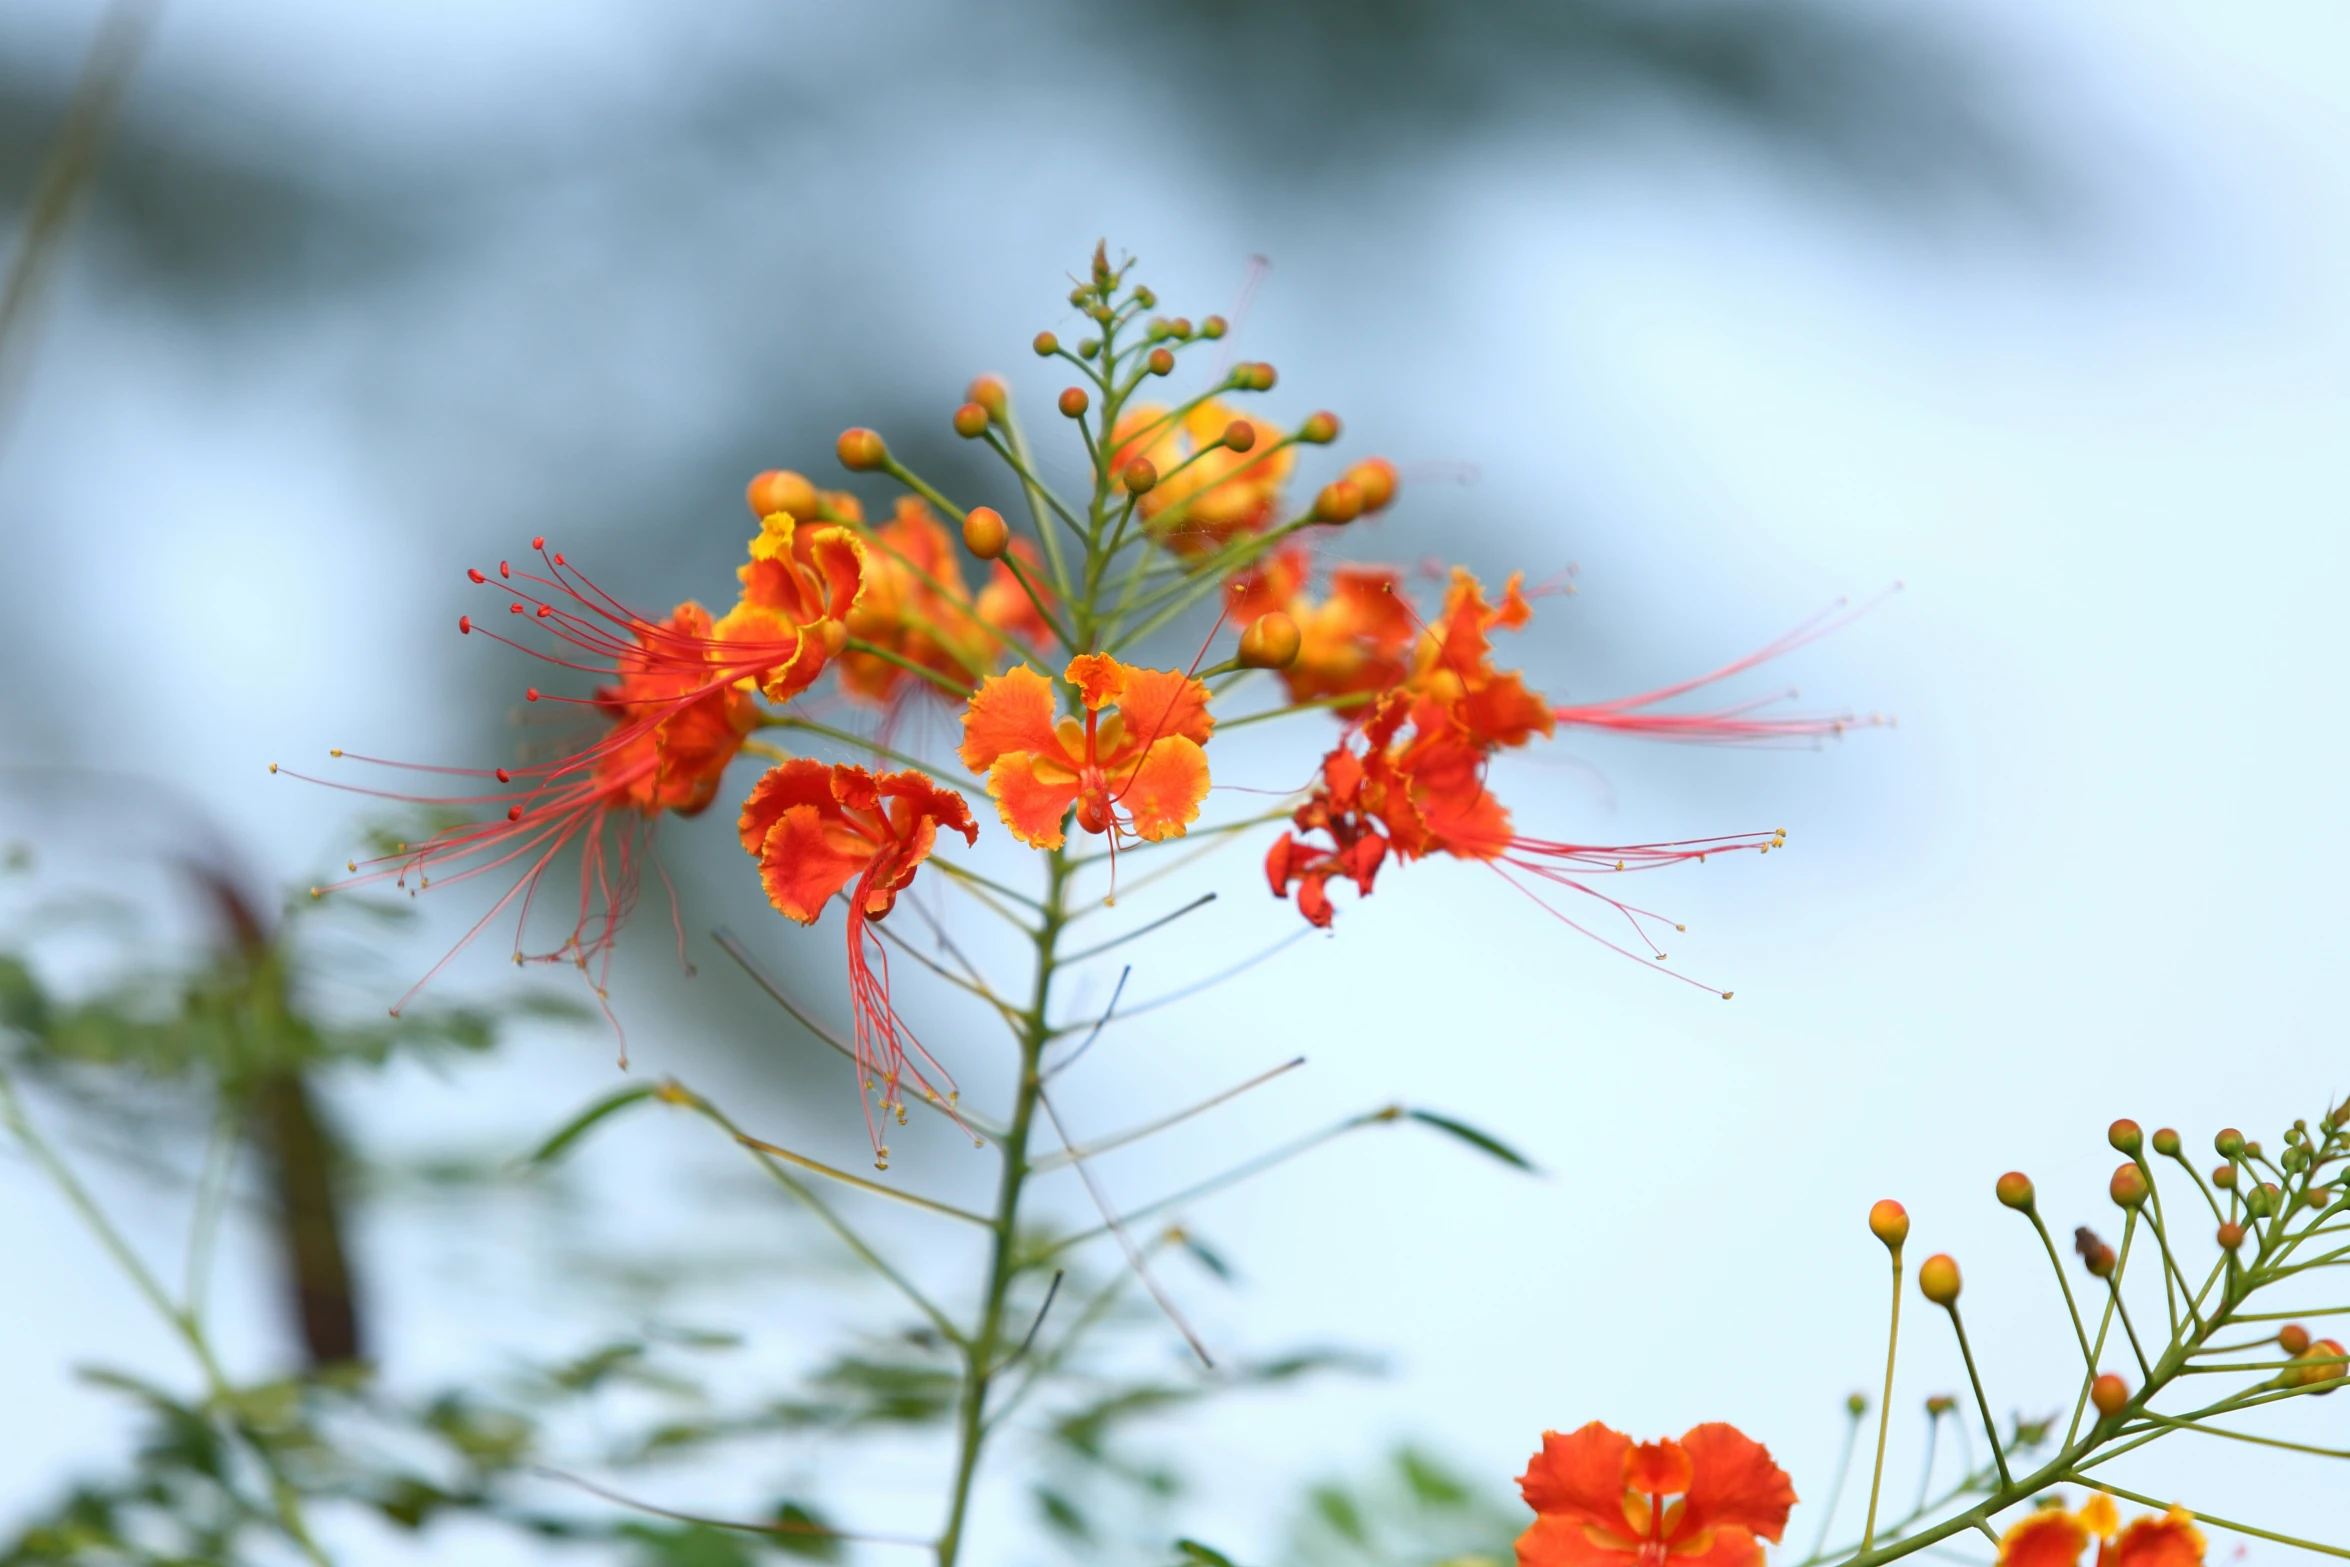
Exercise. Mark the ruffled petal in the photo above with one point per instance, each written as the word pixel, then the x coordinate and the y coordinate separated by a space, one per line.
pixel 837 557
pixel 1728 1546
pixel 1655 1468
pixel 1579 1475
pixel 915 795
pixel 2170 1540
pixel 1099 679
pixel 1032 795
pixel 1162 703
pixel 806 857
pixel 1012 711
pixel 801 781
pixel 1504 712
pixel 1557 1540
pixel 1733 1482
pixel 2050 1537
pixel 1162 796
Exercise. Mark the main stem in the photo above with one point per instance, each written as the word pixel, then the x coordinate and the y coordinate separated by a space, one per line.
pixel 982 1351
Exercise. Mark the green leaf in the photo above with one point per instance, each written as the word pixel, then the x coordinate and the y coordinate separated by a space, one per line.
pixel 1432 1485
pixel 1062 1514
pixel 1483 1142
pixel 1339 1511
pixel 581 1124
pixel 1191 1551
pixel 803 1531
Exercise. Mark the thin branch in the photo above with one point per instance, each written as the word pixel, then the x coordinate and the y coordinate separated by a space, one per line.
pixel 1198 903
pixel 1099 1024
pixel 781 1526
pixel 1050 1291
pixel 819 1167
pixel 1117 1227
pixel 1073 1155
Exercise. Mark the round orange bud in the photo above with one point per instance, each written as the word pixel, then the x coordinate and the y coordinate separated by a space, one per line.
pixel 1161 362
pixel 2015 1190
pixel 1213 327
pixel 1338 502
pixel 991 393
pixel 1074 402
pixel 2231 1236
pixel 1139 476
pixel 2128 1187
pixel 2292 1338
pixel 2224 1176
pixel 1263 377
pixel 1319 429
pixel 2166 1142
pixel 1375 477
pixel 1938 1279
pixel 1240 435
pixel 780 489
pixel 861 450
pixel 1181 327
pixel 1046 345
pixel 2110 1394
pixel 2325 1349
pixel 2229 1144
pixel 2125 1136
pixel 1889 1222
pixel 1271 642
pixel 971 421
pixel 985 534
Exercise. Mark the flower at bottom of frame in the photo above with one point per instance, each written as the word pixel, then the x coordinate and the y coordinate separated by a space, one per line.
pixel 1600 1500
pixel 2055 1537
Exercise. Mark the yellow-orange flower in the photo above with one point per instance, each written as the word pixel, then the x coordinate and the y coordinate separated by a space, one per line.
pixel 1352 642
pixel 1207 494
pixel 1135 769
pixel 2054 1537
pixel 1601 1501
pixel 798 589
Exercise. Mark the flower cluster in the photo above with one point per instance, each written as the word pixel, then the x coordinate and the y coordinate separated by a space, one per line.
pixel 1192 508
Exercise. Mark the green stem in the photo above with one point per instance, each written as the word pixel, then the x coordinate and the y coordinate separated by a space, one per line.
pixel 982 1352
pixel 1885 1409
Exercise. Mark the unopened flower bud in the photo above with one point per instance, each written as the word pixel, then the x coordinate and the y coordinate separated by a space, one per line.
pixel 1889 1222
pixel 861 450
pixel 781 490
pixel 2096 1256
pixel 2224 1177
pixel 1144 297
pixel 985 533
pixel 1213 327
pixel 2125 1136
pixel 2128 1187
pixel 1265 377
pixel 2110 1394
pixel 1161 362
pixel 2229 1143
pixel 1320 429
pixel 2292 1338
pixel 2252 1148
pixel 991 393
pixel 1270 642
pixel 2015 1190
pixel 2231 1235
pixel 1139 476
pixel 2295 1159
pixel 2325 1349
pixel 1941 1404
pixel 1240 435
pixel 1938 1279
pixel 971 421
pixel 1089 347
pixel 1181 327
pixel 1856 1404
pixel 1046 345
pixel 2261 1201
pixel 1338 502
pixel 2339 1116
pixel 1375 477
pixel 2166 1142
pixel 1074 402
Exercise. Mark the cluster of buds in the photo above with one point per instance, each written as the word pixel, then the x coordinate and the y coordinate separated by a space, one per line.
pixel 1195 505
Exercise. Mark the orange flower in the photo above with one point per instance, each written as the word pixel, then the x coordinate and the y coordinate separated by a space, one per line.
pixel 928 623
pixel 1600 1501
pixel 1351 642
pixel 1453 665
pixel 812 827
pixel 2053 1537
pixel 798 589
pixel 1207 494
pixel 1136 769
pixel 672 716
pixel 1005 606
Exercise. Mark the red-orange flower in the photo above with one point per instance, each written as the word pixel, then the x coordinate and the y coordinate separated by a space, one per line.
pixel 812 827
pixel 1351 642
pixel 798 589
pixel 916 606
pixel 672 715
pixel 1601 1501
pixel 1136 769
pixel 1207 494
pixel 2054 1537
pixel 1453 665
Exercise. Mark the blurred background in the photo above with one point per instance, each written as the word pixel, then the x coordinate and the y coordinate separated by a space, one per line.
pixel 1734 309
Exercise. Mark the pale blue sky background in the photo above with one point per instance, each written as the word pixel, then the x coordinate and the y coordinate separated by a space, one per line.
pixel 2092 872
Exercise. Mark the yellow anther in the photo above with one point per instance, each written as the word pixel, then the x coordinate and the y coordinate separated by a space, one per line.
pixel 273 767
pixel 337 751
